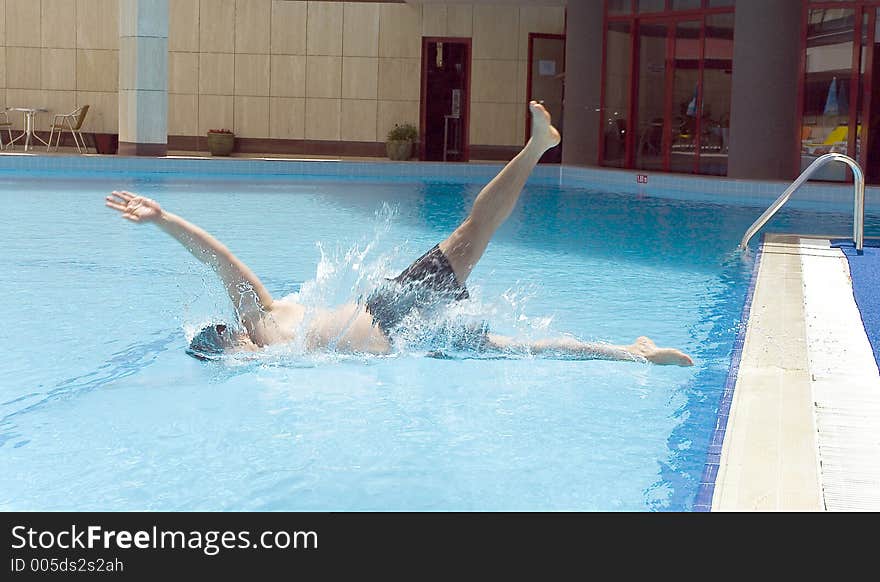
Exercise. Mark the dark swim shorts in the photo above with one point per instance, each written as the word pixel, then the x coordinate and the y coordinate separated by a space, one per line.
pixel 426 285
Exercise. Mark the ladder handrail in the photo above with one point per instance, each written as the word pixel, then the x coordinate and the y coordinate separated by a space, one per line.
pixel 858 211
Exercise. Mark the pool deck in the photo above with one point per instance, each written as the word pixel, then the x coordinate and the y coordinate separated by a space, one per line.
pixel 802 431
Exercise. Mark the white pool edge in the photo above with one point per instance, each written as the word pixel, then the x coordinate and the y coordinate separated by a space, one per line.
pixel 785 447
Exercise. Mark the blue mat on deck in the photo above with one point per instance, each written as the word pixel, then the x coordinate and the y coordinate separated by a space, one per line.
pixel 865 272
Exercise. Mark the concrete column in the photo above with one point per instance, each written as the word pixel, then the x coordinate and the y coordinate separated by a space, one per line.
pixel 583 82
pixel 766 71
pixel 143 77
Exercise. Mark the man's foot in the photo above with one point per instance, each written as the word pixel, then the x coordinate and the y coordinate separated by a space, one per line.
pixel 647 349
pixel 543 132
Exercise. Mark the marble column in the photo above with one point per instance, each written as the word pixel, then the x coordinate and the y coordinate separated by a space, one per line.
pixel 583 82
pixel 766 68
pixel 143 77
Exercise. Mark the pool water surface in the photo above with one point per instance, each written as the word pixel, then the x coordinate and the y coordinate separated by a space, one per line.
pixel 101 408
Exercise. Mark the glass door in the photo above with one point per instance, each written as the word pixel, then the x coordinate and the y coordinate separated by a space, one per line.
pixel 445 98
pixel 687 115
pixel 670 110
pixel 717 84
pixel 546 84
pixel 653 79
pixel 616 94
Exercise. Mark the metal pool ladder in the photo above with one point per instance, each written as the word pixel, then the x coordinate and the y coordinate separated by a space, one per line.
pixel 858 212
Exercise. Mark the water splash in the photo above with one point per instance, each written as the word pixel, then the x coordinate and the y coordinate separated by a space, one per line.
pixel 348 274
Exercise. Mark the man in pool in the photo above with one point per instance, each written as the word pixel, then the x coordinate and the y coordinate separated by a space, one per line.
pixel 433 281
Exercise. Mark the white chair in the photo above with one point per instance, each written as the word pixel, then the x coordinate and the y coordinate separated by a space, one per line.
pixel 7 125
pixel 71 122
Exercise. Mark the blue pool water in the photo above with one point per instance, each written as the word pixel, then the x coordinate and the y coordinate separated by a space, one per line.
pixel 101 409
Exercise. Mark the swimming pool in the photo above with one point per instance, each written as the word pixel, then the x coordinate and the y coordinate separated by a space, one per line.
pixel 101 409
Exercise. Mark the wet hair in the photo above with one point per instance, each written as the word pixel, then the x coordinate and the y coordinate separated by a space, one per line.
pixel 211 342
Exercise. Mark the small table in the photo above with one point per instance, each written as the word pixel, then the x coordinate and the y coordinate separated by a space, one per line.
pixel 30 115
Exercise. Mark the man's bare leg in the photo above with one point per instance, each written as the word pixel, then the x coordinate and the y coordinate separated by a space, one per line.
pixel 496 201
pixel 642 350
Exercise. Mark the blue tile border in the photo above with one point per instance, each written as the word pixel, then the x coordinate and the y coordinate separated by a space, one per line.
pixel 274 167
pixel 706 490
pixel 814 195
pixel 818 196
pixel 827 196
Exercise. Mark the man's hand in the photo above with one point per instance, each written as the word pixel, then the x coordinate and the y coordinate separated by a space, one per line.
pixel 133 207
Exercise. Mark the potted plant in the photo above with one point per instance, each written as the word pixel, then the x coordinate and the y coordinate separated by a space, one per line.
pixel 399 145
pixel 220 141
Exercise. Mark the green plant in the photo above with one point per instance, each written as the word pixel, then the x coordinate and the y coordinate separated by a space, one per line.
pixel 403 132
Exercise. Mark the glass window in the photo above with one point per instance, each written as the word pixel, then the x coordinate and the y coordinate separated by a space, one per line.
pixel 620 7
pixel 616 112
pixel 717 75
pixel 859 92
pixel 652 6
pixel 687 109
pixel 829 71
pixel 871 155
pixel 686 4
pixel 666 91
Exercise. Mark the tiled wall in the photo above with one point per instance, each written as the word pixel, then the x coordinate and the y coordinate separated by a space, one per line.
pixel 58 54
pixel 340 70
pixel 274 68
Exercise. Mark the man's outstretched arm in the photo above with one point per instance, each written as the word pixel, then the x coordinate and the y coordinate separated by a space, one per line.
pixel 248 294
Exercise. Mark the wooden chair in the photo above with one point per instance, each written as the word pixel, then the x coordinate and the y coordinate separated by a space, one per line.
pixel 71 122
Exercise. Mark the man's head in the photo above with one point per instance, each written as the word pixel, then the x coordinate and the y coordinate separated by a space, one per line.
pixel 213 341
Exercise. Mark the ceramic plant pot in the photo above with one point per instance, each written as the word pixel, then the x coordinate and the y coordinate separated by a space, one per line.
pixel 399 149
pixel 106 143
pixel 221 144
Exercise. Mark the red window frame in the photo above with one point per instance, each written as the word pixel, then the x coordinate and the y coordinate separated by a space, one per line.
pixel 634 18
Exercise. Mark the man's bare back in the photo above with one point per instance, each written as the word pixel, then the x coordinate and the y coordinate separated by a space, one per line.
pixel 346 328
